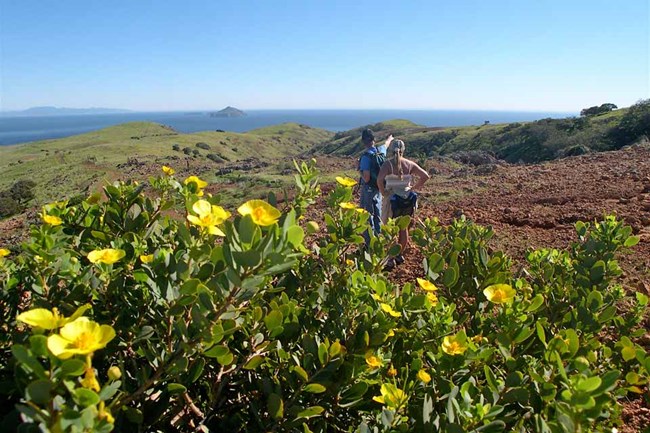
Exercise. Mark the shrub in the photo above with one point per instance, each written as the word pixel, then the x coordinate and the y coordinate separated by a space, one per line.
pixel 187 150
pixel 214 157
pixel 22 191
pixel 232 323
pixel 9 206
pixel 176 147
pixel 202 145
pixel 196 152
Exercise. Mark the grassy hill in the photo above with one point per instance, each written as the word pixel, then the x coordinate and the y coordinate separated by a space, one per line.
pixel 527 142
pixel 68 166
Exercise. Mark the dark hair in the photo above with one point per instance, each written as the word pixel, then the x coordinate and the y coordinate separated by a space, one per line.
pixel 367 136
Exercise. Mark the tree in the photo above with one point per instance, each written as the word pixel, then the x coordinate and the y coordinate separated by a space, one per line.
pixel 596 110
pixel 635 124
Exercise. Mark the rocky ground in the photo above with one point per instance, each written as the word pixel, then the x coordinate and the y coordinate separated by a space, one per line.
pixel 535 206
pixel 529 206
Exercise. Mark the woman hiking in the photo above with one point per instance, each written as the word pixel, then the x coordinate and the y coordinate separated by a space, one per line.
pixel 398 179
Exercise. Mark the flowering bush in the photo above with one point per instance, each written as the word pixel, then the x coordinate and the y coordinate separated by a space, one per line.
pixel 164 311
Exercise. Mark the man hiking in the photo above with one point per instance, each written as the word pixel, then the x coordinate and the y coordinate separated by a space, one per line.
pixel 369 165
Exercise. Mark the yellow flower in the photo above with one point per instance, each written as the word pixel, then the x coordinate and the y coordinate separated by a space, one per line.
pixel 477 339
pixel 349 262
pixel 51 220
pixel 432 298
pixel 200 184
pixel 262 213
pixel 391 396
pixel 146 258
pixel 79 337
pixel 391 333
pixel 454 344
pixel 372 360
pixel 347 205
pixel 345 181
pixel 104 413
pixel 168 170
pixel 90 381
pixel 388 309
pixel 499 293
pixel 392 372
pixel 209 216
pixel 361 210
pixel 46 319
pixel 4 252
pixel 427 286
pixel 424 376
pixel 107 256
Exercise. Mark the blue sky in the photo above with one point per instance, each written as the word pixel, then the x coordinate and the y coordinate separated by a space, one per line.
pixel 543 55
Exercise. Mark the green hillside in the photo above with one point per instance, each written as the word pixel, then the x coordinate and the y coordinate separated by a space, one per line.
pixel 68 166
pixel 528 142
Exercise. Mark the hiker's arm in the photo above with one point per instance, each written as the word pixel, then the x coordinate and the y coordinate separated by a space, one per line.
pixel 365 175
pixel 383 171
pixel 364 166
pixel 421 174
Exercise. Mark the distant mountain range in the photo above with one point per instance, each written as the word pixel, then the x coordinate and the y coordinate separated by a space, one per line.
pixel 62 111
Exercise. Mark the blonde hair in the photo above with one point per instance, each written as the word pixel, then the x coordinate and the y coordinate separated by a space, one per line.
pixel 396 151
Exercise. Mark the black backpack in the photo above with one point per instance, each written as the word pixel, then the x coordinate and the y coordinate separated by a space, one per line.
pixel 376 161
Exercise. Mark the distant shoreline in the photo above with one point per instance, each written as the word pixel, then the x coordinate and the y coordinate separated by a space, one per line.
pixel 23 129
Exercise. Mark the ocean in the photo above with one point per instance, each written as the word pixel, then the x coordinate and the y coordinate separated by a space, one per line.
pixel 21 129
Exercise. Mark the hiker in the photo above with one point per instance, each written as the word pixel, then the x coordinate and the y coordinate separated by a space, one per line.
pixel 398 179
pixel 369 165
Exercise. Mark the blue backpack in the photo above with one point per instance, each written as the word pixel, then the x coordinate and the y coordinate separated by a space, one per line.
pixel 376 161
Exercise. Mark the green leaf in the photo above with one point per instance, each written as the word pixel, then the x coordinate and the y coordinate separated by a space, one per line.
pixel 226 359
pixel 301 372
pixel 541 334
pixel 450 277
pixel 436 263
pixel 247 259
pixel 23 357
pixel 195 370
pixel 589 384
pixel 295 236
pixel 322 353
pixel 109 390
pixel 631 241
pixel 247 229
pixel 535 303
pixel 39 392
pixel 315 388
pixel 72 367
pixel 523 334
pixel 493 427
pixel 628 353
pixel 273 319
pixel 85 397
pixel 176 388
pixel 275 406
pixel 217 351
pixel 38 345
pixel 310 412
pixel 254 362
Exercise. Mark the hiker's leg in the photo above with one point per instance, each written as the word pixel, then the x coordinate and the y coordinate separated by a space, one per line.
pixel 376 212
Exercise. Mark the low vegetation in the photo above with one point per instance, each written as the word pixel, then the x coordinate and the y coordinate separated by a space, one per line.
pixel 599 129
pixel 117 316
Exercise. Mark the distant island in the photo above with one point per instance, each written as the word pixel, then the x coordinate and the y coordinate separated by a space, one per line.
pixel 62 111
pixel 228 112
